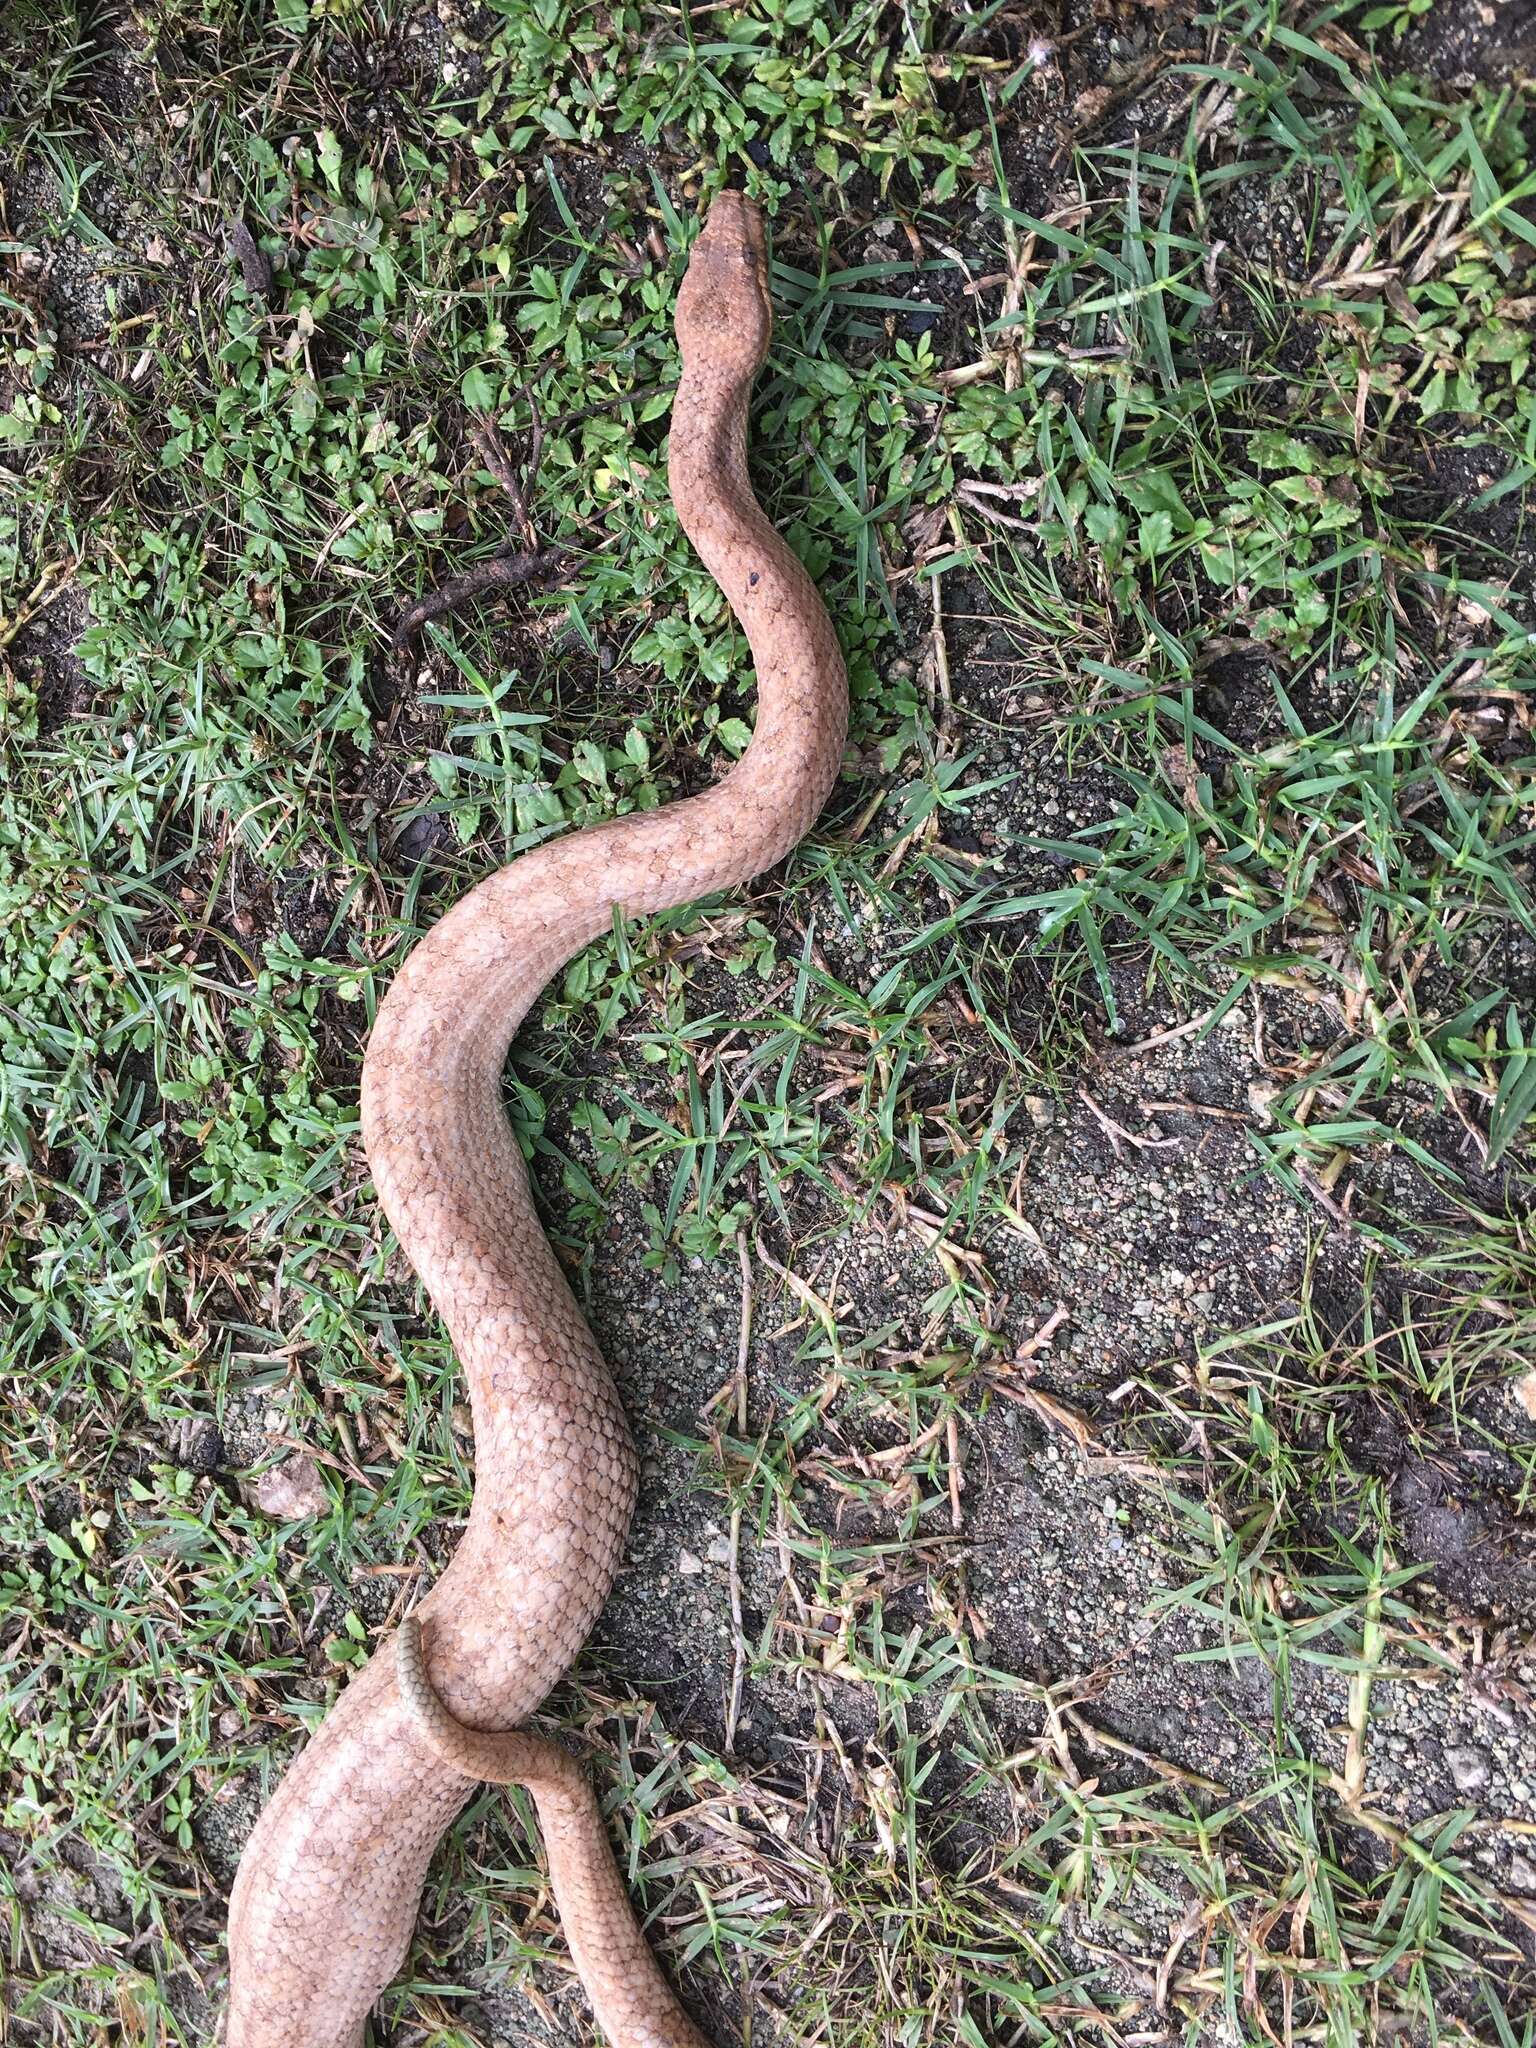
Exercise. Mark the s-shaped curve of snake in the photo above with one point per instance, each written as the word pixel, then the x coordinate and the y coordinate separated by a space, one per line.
pixel 327 1890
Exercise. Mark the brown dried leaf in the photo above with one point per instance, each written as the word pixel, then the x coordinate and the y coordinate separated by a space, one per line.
pixel 1060 1416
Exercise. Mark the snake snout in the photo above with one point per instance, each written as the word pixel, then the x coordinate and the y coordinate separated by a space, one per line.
pixel 722 305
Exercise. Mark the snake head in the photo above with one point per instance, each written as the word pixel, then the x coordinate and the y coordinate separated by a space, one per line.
pixel 723 309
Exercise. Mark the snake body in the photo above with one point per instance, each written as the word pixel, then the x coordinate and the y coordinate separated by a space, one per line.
pixel 327 1890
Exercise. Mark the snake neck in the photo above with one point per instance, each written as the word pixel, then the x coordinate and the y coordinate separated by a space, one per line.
pixel 707 461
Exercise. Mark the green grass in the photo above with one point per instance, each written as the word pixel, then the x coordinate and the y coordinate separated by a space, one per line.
pixel 1230 448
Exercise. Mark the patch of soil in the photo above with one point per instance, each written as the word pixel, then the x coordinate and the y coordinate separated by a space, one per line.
pixel 1494 40
pixel 43 656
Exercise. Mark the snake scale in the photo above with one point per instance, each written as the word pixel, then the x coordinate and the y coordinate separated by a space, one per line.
pixel 327 1890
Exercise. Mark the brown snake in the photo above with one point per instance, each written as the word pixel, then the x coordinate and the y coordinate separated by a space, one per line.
pixel 327 1890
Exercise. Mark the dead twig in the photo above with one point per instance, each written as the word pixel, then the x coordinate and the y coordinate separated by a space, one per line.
pixel 51 585
pixel 738 1635
pixel 1116 1132
pixel 510 569
pixel 493 453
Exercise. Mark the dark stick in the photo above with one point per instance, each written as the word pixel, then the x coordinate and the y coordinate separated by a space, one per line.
pixel 506 571
pixel 493 453
pixel 512 567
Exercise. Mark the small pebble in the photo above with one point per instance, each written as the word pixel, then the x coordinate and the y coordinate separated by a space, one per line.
pixel 1468 1769
pixel 292 1491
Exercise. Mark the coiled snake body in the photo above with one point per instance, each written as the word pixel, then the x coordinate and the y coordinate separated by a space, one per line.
pixel 327 1890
